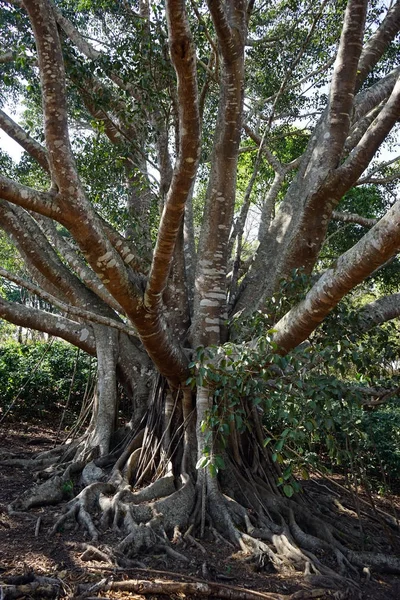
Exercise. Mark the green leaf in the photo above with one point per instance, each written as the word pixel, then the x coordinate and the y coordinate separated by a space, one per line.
pixel 202 462
pixel 288 490
pixel 219 462
pixel 239 422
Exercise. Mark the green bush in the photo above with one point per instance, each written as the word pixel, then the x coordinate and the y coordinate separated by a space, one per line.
pixel 36 378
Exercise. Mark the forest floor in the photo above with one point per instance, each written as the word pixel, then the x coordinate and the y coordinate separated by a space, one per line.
pixel 27 546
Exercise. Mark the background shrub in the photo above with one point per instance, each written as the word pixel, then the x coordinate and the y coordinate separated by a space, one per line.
pixel 38 378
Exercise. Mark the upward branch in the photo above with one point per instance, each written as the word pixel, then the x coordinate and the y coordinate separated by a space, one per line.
pixel 52 76
pixel 344 77
pixel 378 42
pixel 183 57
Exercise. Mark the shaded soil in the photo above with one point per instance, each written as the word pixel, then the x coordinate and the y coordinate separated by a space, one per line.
pixel 26 544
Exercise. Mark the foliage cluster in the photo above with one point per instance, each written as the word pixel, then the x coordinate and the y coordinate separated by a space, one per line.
pixel 313 400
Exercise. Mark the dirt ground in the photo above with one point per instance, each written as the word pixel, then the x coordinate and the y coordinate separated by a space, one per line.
pixel 27 546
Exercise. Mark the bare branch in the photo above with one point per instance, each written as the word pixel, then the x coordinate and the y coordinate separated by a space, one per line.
pixel 379 180
pixel 369 99
pixel 353 218
pixel 360 127
pixel 379 167
pixel 268 208
pixel 344 77
pixel 70 30
pixel 52 76
pixel 358 160
pixel 204 25
pixel 72 256
pixel 380 311
pixel 223 29
pixel 33 147
pixel 89 51
pixel 271 158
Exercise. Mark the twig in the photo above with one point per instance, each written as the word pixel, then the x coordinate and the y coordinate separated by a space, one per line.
pixel 37 528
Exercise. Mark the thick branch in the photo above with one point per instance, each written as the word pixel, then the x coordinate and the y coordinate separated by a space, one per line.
pixel 80 42
pixel 80 335
pixel 210 292
pixel 378 312
pixel 72 256
pixel 374 249
pixel 344 77
pixel 223 29
pixel 67 308
pixel 378 42
pixel 367 100
pixel 183 57
pixel 52 77
pixel 358 160
pixel 41 202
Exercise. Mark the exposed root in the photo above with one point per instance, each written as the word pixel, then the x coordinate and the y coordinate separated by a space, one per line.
pixel 50 492
pixel 30 585
pixel 278 533
pixel 81 507
pixel 95 554
pixel 200 588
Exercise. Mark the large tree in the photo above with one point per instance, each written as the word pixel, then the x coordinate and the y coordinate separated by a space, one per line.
pixel 150 131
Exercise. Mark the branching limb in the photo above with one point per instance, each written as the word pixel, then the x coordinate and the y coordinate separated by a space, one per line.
pixel 44 203
pixel 349 172
pixel 67 308
pixel 72 256
pixel 375 248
